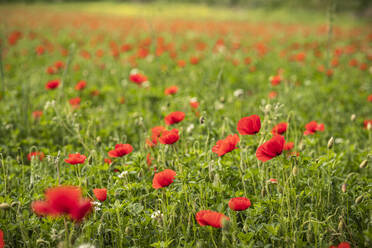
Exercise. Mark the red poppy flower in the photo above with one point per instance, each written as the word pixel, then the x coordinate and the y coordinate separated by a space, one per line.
pixel 37 114
pixel 343 245
pixel 53 84
pixel 171 90
pixel 138 78
pixel 367 123
pixel 272 180
pixel 2 243
pixel 174 117
pixel 120 150
pixel 369 98
pixel 181 63
pixel 280 128
pixel 249 125
pixel 273 94
pixel 40 50
pixel 194 103
pixel 275 80
pixel 288 146
pixel 169 137
pixel 313 127
pixel 239 203
pixel 149 159
pixel 75 102
pixel 101 194
pixel 163 178
pixel 59 65
pixel 194 60
pixel 50 70
pixel 107 161
pixel 80 85
pixel 211 218
pixel 63 200
pixel 226 145
pixel 271 148
pixel 76 158
pixel 35 154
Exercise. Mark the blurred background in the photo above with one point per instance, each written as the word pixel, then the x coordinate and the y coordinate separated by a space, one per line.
pixel 358 7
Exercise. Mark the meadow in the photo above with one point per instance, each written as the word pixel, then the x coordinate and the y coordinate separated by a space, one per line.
pixel 129 125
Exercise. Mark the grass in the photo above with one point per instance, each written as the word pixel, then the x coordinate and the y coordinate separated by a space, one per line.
pixel 308 207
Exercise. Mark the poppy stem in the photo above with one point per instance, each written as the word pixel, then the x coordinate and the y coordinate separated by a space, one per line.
pixel 67 241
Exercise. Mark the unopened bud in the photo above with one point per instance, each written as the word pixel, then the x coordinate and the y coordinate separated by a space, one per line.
pixel 363 164
pixel 358 199
pixel 4 206
pixel 341 225
pixel 295 171
pixel 128 230
pixel 301 146
pixel 353 117
pixel 331 141
pixel 202 120
pixel 343 187
pixel 263 192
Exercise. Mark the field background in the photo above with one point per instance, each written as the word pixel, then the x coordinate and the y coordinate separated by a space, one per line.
pixel 307 208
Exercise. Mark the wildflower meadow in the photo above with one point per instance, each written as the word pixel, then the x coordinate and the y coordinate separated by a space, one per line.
pixel 169 125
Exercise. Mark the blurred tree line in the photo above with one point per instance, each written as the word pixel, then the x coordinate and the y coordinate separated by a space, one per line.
pixel 360 6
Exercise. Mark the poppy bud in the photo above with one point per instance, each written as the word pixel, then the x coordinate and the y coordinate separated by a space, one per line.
pixel 4 206
pixel 222 99
pixel 343 187
pixel 358 199
pixel 301 146
pixel 263 192
pixel 128 230
pixel 353 117
pixel 331 141
pixel 295 171
pixel 363 164
pixel 202 120
pixel 341 225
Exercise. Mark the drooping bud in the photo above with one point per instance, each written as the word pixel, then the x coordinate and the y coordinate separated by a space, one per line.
pixel 331 141
pixel 341 225
pixel 353 117
pixel 363 164
pixel 4 206
pixel 202 120
pixel 358 199
pixel 343 187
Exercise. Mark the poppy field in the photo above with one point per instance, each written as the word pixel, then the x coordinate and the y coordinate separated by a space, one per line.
pixel 157 129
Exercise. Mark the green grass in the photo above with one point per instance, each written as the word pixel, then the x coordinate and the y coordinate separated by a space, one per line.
pixel 307 208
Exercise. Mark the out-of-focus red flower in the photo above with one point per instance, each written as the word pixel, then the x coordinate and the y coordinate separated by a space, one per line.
pixel 288 146
pixel 171 90
pixel 181 63
pixel 40 50
pixel 275 80
pixel 149 159
pixel 75 102
pixel 239 203
pixel 369 98
pixel 271 148
pixel 63 200
pixel 169 137
pixel 75 158
pixel 272 180
pixel 37 114
pixel 120 150
pixel 280 128
pixel 2 243
pixel 211 218
pixel 59 65
pixel 367 124
pixel 40 155
pixel 50 70
pixel 138 78
pixel 249 125
pixel 81 85
pixel 343 245
pixel 163 178
pixel 94 93
pixel 194 60
pixel 174 117
pixel 101 194
pixel 194 103
pixel 313 127
pixel 226 145
pixel 53 84
pixel 107 161
pixel 273 94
